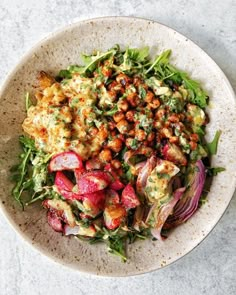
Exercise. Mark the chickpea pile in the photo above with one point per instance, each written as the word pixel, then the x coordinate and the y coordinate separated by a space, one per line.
pixel 141 120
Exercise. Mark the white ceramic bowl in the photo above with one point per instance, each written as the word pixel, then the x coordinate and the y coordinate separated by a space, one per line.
pixel 63 48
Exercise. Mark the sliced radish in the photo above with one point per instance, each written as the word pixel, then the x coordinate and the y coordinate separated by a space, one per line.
pixel 65 161
pixel 112 197
pixel 114 215
pixel 80 230
pixel 96 198
pixel 94 163
pixel 129 198
pixel 116 184
pixel 62 182
pixel 173 153
pixel 65 187
pixel 62 210
pixel 54 221
pixel 93 181
pixel 78 173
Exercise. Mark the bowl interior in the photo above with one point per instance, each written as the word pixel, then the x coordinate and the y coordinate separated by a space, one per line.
pixel 64 48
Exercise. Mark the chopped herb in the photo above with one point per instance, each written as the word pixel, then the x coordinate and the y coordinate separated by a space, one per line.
pixel 134 144
pixel 142 92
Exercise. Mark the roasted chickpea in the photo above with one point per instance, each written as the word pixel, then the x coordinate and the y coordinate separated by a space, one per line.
pixel 130 116
pixel 181 117
pixel 121 137
pixel 118 116
pixel 149 113
pixel 167 124
pixel 145 150
pixel 151 136
pixel 174 139
pixel 154 104
pixel 166 132
pixel 174 118
pixel 149 97
pixel 123 79
pixel 112 94
pixel 131 133
pixel 179 126
pixel 194 137
pixel 111 125
pixel 123 126
pixel 157 125
pixel 129 142
pixel 113 133
pixel 105 155
pixel 87 111
pixel 193 145
pixel 137 81
pixel 160 114
pixel 145 143
pixel 93 131
pixel 113 85
pixel 115 145
pixel 106 71
pixel 116 164
pixel 102 133
pixel 140 135
pixel 133 99
pixel 123 105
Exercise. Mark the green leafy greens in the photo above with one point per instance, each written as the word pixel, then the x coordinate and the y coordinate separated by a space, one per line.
pixel 31 173
pixel 212 146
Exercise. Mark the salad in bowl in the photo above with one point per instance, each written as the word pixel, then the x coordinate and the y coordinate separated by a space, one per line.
pixel 115 149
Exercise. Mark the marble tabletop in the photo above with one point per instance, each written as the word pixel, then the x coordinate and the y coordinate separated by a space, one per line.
pixel 211 267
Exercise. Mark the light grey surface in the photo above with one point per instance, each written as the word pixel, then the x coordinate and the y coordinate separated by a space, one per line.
pixel 211 267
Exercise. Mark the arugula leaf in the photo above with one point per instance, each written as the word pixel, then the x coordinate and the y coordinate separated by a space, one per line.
pixel 40 195
pixel 197 95
pixel 87 59
pixel 21 173
pixel 28 101
pixel 116 245
pixel 31 173
pixel 212 146
pixel 75 69
pixel 166 71
pixel 137 54
pixel 95 59
pixel 65 74
pixel 213 171
pixel 27 142
pixel 161 59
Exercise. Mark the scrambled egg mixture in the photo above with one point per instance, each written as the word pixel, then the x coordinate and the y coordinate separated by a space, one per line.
pixel 62 118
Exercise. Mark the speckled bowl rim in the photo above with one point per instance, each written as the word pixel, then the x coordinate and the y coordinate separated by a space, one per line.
pixel 14 70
